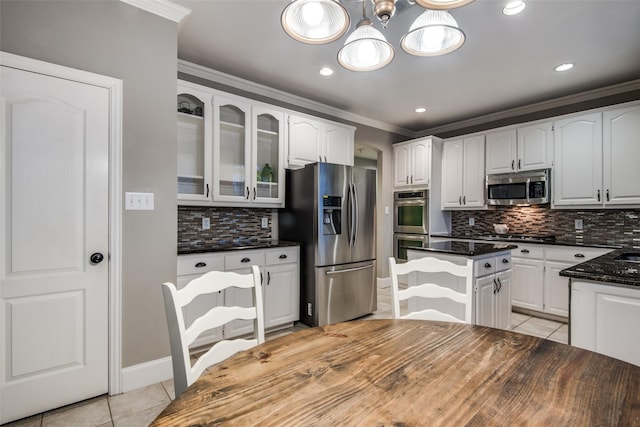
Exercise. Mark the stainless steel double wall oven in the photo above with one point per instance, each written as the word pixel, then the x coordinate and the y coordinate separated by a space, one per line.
pixel 410 221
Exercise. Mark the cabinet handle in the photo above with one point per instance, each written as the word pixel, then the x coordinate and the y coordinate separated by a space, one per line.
pixel 245 260
pixel 412 179
pixel 519 163
pixel 495 286
pixel 201 264
pixel 460 200
pixel 513 164
pixel 487 265
pixel 254 193
pixel 283 256
pixel 598 195
pixel 325 159
pixel 524 251
pixel 579 255
pixel 320 158
pixel 406 179
pixel 247 193
pixel 261 278
pixel 464 200
pixel 207 190
pixel 607 194
pixel 505 261
pixel 268 278
pixel 499 284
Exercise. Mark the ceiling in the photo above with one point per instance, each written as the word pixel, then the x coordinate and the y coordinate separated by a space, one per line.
pixel 507 62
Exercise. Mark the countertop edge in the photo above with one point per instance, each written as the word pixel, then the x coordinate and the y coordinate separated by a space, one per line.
pixel 245 246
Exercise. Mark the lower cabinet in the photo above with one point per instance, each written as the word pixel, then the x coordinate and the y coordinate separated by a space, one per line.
pixel 536 285
pixel 493 293
pixel 280 271
pixel 604 319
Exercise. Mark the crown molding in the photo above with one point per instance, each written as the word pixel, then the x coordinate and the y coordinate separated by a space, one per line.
pixel 537 107
pixel 259 89
pixel 163 8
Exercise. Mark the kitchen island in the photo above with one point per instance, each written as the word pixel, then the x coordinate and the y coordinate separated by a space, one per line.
pixel 491 277
pixel 605 305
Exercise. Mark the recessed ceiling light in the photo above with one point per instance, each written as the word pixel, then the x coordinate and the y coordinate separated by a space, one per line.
pixel 420 110
pixel 514 7
pixel 325 71
pixel 564 67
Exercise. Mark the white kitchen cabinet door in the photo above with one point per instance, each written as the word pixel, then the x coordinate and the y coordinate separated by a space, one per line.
pixel 485 301
pixel 502 319
pixel 267 145
pixel 452 177
pixel 241 298
pixel 527 283
pixel 421 162
pixel 535 147
pixel 501 152
pixel 556 288
pixel 304 140
pixel 401 165
pixel 281 297
pixel 338 144
pixel 473 172
pixel 621 143
pixel 577 177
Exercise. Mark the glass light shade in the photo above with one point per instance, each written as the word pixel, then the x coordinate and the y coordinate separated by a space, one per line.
pixel 365 49
pixel 442 4
pixel 315 21
pixel 433 33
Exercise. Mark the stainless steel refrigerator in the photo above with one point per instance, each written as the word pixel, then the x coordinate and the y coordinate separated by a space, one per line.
pixel 330 209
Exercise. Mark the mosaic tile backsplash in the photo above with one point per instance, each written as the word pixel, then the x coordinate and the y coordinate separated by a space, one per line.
pixel 611 226
pixel 228 225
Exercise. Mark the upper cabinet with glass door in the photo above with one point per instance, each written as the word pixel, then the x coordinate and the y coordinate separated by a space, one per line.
pixel 194 121
pixel 247 153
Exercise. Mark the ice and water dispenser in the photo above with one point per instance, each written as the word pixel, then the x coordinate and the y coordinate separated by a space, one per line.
pixel 331 215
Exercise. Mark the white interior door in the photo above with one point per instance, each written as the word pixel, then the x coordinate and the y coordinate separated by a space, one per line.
pixel 54 216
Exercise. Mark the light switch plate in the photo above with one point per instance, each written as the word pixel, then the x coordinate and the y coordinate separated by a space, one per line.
pixel 579 224
pixel 265 222
pixel 472 221
pixel 138 201
pixel 206 223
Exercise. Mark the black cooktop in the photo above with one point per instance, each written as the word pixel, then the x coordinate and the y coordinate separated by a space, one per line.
pixel 540 238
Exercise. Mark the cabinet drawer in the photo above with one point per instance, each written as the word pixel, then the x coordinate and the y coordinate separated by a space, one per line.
pixel 282 256
pixel 574 255
pixel 482 267
pixel 528 251
pixel 503 262
pixel 199 263
pixel 243 260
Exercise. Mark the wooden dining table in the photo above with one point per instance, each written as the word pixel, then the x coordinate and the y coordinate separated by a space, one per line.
pixel 411 373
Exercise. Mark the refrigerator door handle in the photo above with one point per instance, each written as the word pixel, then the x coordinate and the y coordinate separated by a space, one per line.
pixel 356 214
pixel 351 215
pixel 348 270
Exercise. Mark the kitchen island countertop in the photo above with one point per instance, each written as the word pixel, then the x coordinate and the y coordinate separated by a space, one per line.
pixel 469 249
pixel 608 270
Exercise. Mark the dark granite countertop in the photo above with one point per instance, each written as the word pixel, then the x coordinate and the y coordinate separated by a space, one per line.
pixel 561 242
pixel 607 269
pixel 468 249
pixel 236 246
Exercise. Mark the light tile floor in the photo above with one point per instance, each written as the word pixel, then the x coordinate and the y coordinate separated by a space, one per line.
pixel 140 407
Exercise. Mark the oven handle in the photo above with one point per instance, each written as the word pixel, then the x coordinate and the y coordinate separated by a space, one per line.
pixel 410 202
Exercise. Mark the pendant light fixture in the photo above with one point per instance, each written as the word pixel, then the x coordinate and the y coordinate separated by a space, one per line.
pixel 366 49
pixel 442 4
pixel 433 33
pixel 315 21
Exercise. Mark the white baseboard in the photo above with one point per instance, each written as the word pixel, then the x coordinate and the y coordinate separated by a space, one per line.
pixel 148 373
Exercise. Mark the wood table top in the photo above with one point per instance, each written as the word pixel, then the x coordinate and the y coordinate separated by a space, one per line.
pixel 411 373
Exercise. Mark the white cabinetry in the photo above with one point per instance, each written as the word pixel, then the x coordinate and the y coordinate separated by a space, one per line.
pixel 279 268
pixel 604 319
pixel 596 159
pixel 524 148
pixel 412 164
pixel 621 152
pixel 230 150
pixel 577 177
pixel 463 173
pixel 493 291
pixel 536 283
pixel 314 140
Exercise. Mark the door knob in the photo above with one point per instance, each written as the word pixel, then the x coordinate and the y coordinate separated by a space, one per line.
pixel 96 258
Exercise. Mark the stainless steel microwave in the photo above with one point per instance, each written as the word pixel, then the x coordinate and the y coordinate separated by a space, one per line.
pixel 524 188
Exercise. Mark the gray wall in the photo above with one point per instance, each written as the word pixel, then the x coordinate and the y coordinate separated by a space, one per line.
pixel 118 40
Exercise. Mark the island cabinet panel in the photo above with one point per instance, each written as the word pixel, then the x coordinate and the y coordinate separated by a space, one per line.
pixel 604 319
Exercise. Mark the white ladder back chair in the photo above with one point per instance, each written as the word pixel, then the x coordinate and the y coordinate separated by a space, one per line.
pixel 181 337
pixel 424 288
